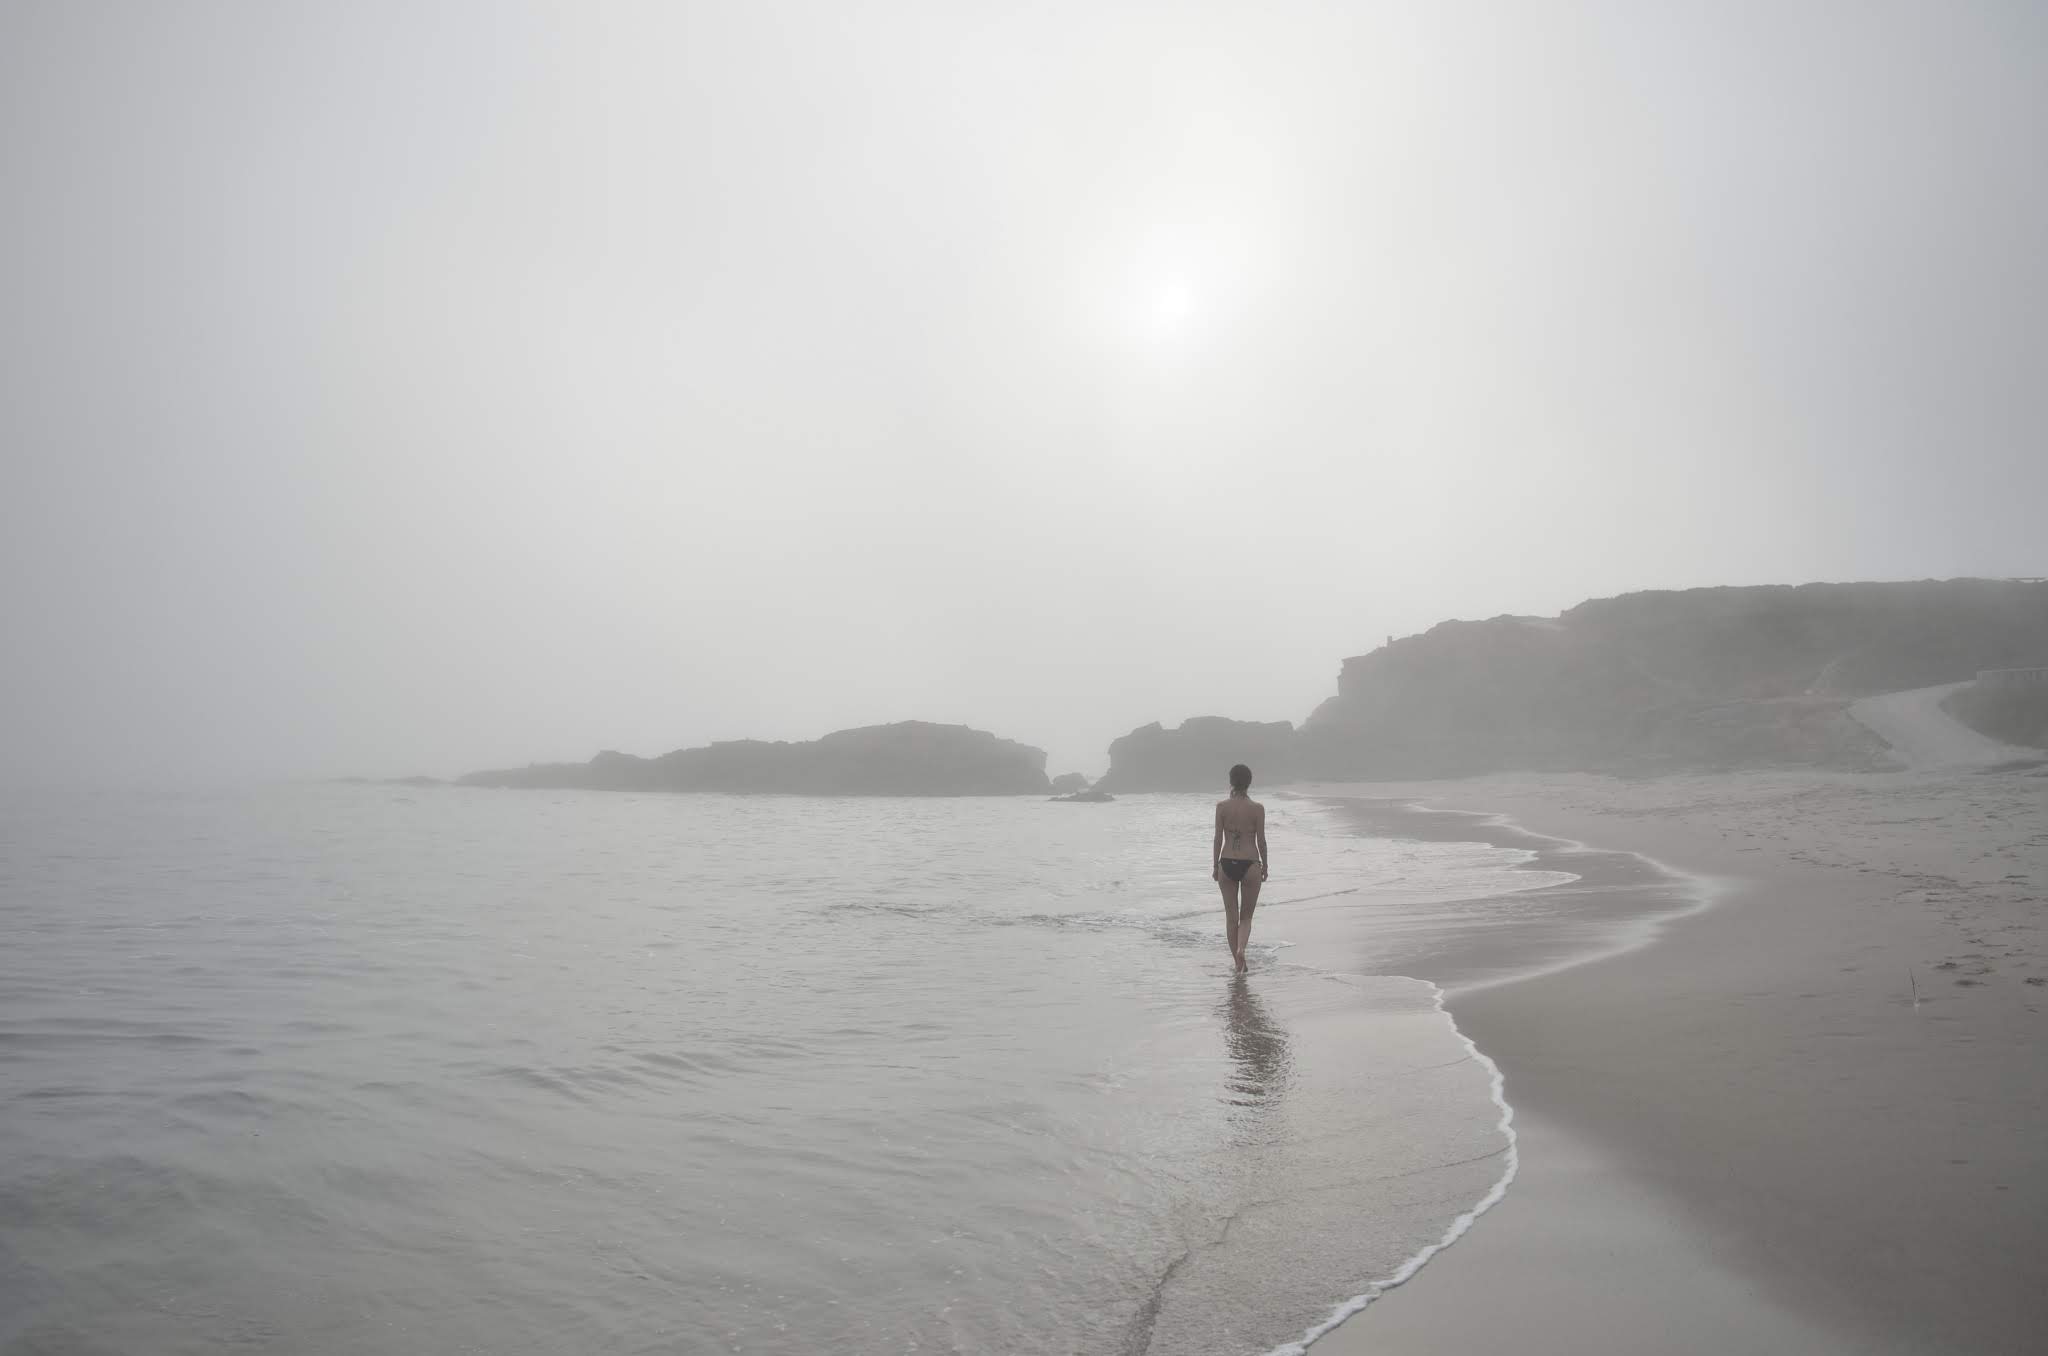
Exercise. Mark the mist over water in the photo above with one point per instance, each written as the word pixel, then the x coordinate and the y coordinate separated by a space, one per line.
pixel 411 392
pixel 349 1068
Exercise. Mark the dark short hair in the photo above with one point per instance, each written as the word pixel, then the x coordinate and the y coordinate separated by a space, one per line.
pixel 1240 778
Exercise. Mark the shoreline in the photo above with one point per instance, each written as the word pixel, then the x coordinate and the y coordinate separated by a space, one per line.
pixel 1612 901
pixel 1343 1312
pixel 1754 1110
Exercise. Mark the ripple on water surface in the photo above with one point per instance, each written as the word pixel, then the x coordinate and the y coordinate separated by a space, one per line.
pixel 333 1070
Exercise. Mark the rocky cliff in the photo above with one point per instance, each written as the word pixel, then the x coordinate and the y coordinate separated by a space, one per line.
pixel 1198 755
pixel 910 758
pixel 1655 681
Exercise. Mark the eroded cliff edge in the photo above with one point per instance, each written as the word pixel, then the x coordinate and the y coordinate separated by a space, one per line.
pixel 1643 683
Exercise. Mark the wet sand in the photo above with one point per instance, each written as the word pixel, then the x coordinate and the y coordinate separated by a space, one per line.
pixel 1807 1117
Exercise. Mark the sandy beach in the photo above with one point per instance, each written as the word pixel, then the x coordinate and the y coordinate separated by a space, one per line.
pixel 1806 1116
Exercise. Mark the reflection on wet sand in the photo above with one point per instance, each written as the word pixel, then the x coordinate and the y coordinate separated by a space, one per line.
pixel 1258 1050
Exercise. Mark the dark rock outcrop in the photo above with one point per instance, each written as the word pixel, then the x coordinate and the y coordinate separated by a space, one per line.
pixel 1198 756
pixel 1658 681
pixel 1069 782
pixel 910 758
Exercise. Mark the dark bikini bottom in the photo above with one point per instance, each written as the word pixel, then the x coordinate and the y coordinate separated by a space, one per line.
pixel 1235 867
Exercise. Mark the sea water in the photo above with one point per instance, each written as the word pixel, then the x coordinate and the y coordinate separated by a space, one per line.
pixel 366 1069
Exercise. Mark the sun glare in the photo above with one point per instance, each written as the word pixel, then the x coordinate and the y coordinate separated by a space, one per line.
pixel 1171 311
pixel 1168 292
pixel 1176 303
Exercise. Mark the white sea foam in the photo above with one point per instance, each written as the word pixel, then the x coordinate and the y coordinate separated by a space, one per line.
pixel 1697 891
pixel 612 1055
pixel 1458 1227
pixel 1619 937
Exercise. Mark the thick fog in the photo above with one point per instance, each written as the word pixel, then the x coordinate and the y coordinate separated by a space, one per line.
pixel 389 388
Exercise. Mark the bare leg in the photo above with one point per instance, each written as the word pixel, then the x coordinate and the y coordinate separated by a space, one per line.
pixel 1253 879
pixel 1229 912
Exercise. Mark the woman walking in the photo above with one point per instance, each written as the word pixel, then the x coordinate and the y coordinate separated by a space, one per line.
pixel 1238 860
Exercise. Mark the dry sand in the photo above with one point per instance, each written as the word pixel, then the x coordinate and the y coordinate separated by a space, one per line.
pixel 1809 1117
pixel 1921 734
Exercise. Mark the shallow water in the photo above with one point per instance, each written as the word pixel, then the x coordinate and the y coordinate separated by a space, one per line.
pixel 345 1069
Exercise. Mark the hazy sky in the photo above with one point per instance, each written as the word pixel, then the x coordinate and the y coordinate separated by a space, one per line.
pixel 397 387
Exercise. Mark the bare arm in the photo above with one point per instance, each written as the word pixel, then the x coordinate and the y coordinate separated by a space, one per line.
pixel 1216 847
pixel 1265 866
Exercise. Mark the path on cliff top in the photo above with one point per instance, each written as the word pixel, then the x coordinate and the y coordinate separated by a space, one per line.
pixel 1922 735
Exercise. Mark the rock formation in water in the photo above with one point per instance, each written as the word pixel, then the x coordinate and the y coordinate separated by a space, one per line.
pixel 1198 755
pixel 909 758
pixel 1067 783
pixel 1658 681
